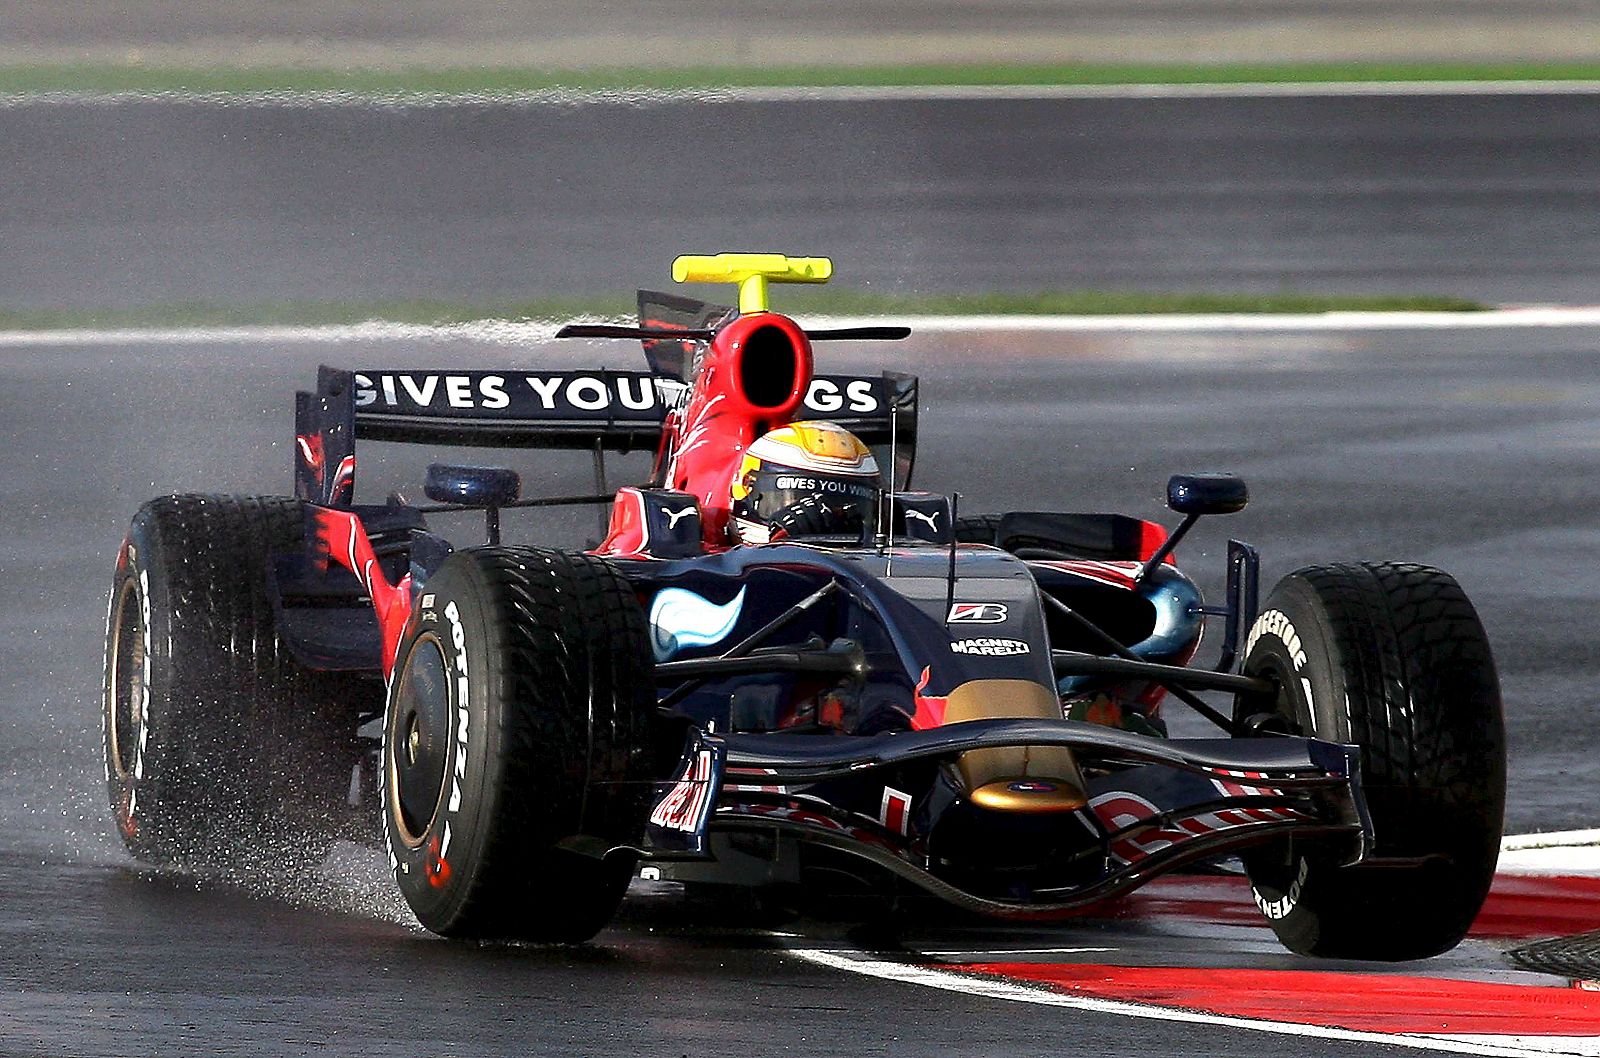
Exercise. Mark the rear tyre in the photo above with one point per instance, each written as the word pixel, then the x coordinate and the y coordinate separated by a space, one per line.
pixel 977 528
pixel 517 760
pixel 1389 657
pixel 220 749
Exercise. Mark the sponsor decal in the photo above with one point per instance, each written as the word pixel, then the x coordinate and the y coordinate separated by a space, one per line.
pixel 1116 574
pixel 674 394
pixel 929 707
pixel 825 486
pixel 1229 786
pixel 1032 786
pixel 684 806
pixel 1120 809
pixel 1276 623
pixel 528 394
pixel 995 648
pixel 977 613
pixel 745 787
pixel 1153 830
pixel 826 395
pixel 931 518
pixel 674 517
pixel 679 618
pixel 895 811
pixel 492 392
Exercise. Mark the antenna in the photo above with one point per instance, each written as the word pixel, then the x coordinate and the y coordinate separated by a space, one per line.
pixel 894 462
pixel 950 583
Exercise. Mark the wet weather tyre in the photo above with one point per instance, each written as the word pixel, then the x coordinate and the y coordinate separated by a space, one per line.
pixel 1392 658
pixel 220 749
pixel 518 755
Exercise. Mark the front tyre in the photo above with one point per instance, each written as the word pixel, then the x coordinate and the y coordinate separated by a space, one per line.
pixel 1389 657
pixel 517 763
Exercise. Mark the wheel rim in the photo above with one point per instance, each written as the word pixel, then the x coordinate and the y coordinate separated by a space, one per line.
pixel 128 690
pixel 419 741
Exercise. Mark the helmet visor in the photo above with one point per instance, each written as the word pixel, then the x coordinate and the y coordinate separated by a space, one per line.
pixel 776 489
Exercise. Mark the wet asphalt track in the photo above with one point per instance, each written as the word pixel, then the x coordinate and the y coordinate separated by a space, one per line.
pixel 1475 451
pixel 134 203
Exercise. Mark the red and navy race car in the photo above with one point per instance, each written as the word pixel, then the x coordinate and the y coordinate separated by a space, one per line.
pixel 781 669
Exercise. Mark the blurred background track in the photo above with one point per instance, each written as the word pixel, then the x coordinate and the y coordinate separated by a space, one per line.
pixel 580 33
pixel 130 203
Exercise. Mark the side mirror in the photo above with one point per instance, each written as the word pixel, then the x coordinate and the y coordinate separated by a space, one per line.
pixel 1206 494
pixel 472 486
pixel 488 487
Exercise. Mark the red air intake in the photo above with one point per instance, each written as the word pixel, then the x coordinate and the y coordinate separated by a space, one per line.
pixel 761 363
pixel 754 377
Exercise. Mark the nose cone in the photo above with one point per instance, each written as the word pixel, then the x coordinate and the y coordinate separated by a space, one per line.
pixel 1016 778
pixel 1031 795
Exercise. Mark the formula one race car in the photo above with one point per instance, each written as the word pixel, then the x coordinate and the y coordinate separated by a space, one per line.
pixel 780 669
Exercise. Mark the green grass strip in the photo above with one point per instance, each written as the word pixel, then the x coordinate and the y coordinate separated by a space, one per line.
pixel 141 78
pixel 839 302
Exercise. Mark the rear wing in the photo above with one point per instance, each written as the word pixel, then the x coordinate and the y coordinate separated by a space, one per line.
pixel 595 411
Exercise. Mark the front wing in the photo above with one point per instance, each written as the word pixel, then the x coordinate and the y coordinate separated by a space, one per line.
pixel 1154 804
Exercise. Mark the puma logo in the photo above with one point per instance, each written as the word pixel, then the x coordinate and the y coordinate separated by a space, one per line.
pixel 931 519
pixel 674 517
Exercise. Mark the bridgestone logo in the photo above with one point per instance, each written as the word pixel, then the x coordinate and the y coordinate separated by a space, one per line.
pixel 1276 623
pixel 458 639
pixel 1000 648
pixel 1281 907
pixel 977 613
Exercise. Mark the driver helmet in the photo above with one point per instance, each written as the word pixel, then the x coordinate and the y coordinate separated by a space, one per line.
pixel 805 479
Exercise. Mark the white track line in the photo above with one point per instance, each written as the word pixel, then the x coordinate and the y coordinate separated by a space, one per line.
pixel 1534 316
pixel 545 97
pixel 493 332
pixel 977 985
pixel 1571 852
pixel 523 333
pixel 1552 840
